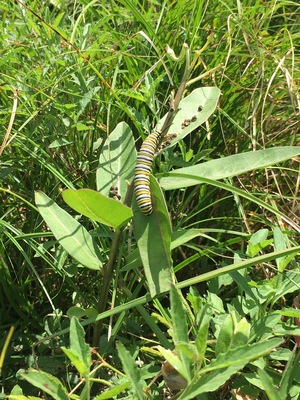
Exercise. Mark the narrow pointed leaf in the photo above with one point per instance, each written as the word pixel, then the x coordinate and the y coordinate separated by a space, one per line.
pixel 79 352
pixel 131 371
pixel 180 327
pixel 227 167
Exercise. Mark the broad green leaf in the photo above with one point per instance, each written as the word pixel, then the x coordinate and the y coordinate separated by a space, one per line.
pixel 117 162
pixel 46 382
pixel 131 371
pixel 72 236
pixel 225 365
pixel 79 352
pixel 227 167
pixel 153 235
pixel 194 109
pixel 98 207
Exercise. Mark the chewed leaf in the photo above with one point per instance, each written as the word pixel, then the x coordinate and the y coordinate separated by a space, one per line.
pixel 194 109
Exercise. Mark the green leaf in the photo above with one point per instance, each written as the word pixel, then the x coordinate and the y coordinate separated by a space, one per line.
pixel 178 238
pixel 59 143
pixel 77 343
pixel 258 242
pixel 227 167
pixel 243 354
pixel 226 334
pixel 153 236
pixel 175 361
pixel 86 99
pixel 268 385
pixel 280 243
pixel 76 360
pixel 195 108
pixel 179 316
pixel 259 236
pixel 46 382
pixel 112 392
pixel 131 371
pixel 82 127
pixel 180 327
pixel 98 207
pixel 79 352
pixel 117 161
pixel 290 375
pixel 226 364
pixel 251 292
pixel 241 333
pixel 183 236
pixel 289 312
pixel 21 397
pixel 17 391
pixel 204 316
pixel 80 312
pixel 72 236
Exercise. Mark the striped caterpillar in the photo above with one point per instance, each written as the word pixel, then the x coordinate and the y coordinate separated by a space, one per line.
pixel 142 172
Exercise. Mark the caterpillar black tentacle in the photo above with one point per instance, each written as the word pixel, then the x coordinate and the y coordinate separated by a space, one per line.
pixel 142 172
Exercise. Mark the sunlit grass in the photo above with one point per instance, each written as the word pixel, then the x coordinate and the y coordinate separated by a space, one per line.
pixel 69 73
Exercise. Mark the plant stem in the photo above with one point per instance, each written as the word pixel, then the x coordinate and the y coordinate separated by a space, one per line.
pixel 108 273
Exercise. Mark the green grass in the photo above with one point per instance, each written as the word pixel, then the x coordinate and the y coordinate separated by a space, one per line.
pixel 82 85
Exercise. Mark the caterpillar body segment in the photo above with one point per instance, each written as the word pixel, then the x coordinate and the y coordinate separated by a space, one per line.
pixel 142 172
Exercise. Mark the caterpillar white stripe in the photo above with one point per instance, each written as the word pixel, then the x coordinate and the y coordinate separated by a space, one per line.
pixel 142 172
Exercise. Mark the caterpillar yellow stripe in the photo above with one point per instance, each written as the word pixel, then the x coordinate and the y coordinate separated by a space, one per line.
pixel 142 172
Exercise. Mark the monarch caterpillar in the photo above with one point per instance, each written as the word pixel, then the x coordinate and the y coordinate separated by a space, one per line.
pixel 142 172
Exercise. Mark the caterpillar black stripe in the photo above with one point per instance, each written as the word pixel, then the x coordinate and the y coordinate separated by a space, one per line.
pixel 142 172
